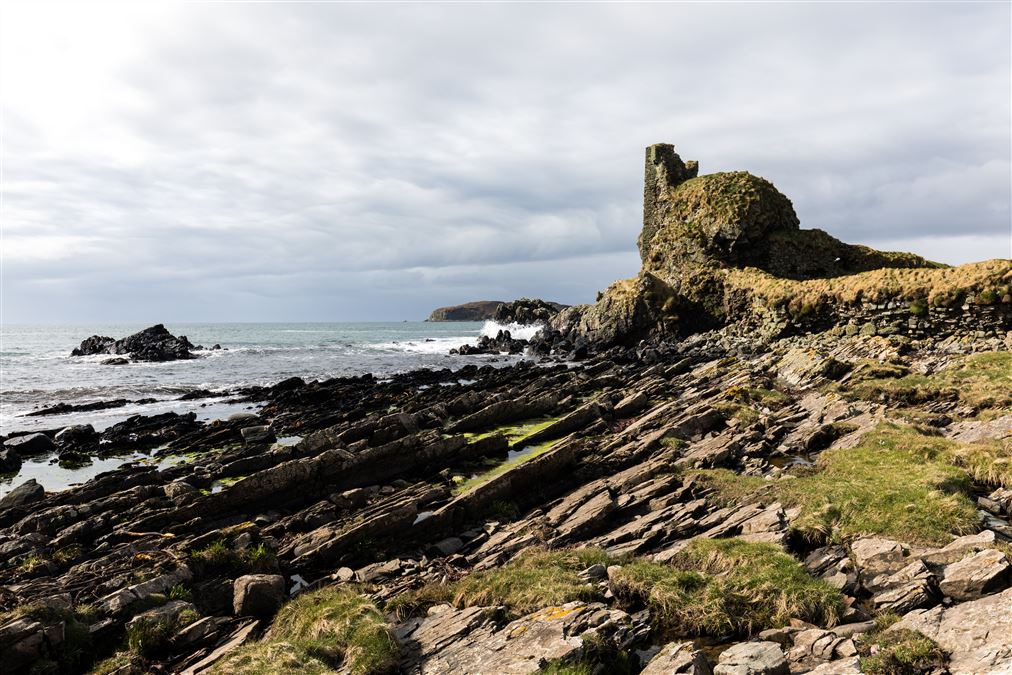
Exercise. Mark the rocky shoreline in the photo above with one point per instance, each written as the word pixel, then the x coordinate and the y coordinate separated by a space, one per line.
pixel 654 491
pixel 423 482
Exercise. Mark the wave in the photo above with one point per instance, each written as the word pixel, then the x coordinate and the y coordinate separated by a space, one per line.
pixel 518 331
pixel 441 345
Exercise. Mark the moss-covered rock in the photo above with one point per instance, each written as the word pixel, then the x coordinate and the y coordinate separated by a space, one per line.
pixel 728 248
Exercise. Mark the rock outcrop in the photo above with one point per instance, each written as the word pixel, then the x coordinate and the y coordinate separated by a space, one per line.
pixel 726 249
pixel 151 344
pixel 527 311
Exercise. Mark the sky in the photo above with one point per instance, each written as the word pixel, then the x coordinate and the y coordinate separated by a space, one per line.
pixel 354 162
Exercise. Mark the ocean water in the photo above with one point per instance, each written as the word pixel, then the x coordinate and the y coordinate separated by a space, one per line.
pixel 36 369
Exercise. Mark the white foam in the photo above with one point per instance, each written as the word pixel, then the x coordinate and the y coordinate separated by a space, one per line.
pixel 518 331
pixel 430 346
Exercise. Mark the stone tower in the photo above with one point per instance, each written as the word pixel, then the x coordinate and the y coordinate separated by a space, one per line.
pixel 664 170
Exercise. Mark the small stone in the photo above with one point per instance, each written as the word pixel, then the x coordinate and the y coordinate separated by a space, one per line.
pixel 678 657
pixel 752 658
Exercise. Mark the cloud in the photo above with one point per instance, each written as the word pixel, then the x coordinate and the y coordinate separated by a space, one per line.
pixel 345 161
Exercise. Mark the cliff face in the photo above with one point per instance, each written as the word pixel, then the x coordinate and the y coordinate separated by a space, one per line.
pixel 727 249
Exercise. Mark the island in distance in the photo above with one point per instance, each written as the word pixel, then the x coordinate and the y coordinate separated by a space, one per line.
pixel 537 311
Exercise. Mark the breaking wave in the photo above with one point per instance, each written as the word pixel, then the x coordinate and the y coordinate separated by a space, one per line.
pixel 518 331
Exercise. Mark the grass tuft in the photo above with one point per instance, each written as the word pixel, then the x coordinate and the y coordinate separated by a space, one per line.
pixel 537 578
pixel 722 587
pixel 318 632
pixel 900 652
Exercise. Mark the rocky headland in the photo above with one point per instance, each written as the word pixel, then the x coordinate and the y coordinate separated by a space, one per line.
pixel 479 310
pixel 524 311
pixel 770 452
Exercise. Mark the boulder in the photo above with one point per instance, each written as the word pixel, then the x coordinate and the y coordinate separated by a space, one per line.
pixel 977 634
pixel 874 555
pixel 30 444
pixel 260 433
pixel 752 658
pixel 10 461
pixel 975 576
pixel 28 492
pixel 76 435
pixel 258 595
pixel 678 658
pixel 958 548
pixel 151 344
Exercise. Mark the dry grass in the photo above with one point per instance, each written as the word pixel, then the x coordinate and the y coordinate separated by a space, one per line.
pixel 938 286
pixel 537 578
pixel 989 463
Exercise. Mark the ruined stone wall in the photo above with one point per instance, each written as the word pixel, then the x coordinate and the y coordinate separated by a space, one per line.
pixel 895 317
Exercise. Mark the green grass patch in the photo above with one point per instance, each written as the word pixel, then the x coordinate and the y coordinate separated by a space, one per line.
pixel 537 578
pixel 499 469
pixel 983 381
pixel 897 483
pixel 900 652
pixel 318 632
pixel 723 587
pixel 150 637
pixel 76 650
pixel 515 433
pixel 219 557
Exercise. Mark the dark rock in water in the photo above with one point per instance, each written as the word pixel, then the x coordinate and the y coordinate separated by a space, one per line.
pixel 63 408
pixel 26 493
pixel 197 394
pixel 151 344
pixel 527 311
pixel 146 431
pixel 72 459
pixel 260 433
pixel 10 461
pixel 502 343
pixel 76 436
pixel 480 310
pixel 30 444
pixel 118 361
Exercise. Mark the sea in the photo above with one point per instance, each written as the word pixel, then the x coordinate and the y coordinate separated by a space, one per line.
pixel 37 370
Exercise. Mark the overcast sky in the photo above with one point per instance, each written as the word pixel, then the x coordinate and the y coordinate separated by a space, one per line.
pixel 329 162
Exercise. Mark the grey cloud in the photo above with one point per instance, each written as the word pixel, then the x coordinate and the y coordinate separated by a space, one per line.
pixel 367 162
